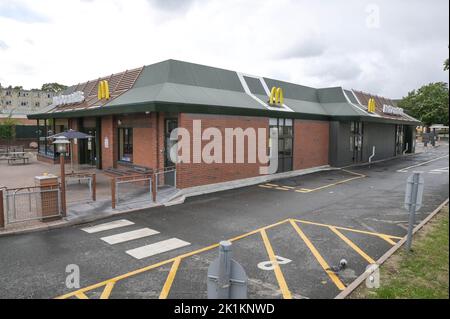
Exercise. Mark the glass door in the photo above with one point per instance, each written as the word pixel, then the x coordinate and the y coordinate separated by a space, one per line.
pixel 170 125
pixel 356 140
pixel 285 142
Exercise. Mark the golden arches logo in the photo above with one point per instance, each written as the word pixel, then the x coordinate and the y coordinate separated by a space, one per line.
pixel 103 90
pixel 276 96
pixel 371 105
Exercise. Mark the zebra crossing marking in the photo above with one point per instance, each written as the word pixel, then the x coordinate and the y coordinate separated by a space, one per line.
pixel 107 226
pixel 130 235
pixel 157 248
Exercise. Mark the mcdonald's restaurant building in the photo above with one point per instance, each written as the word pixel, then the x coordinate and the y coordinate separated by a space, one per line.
pixel 131 115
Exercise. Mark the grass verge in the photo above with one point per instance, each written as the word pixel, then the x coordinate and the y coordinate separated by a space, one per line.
pixel 420 274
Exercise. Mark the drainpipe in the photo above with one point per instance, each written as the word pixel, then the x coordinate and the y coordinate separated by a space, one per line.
pixel 372 156
pixel 406 149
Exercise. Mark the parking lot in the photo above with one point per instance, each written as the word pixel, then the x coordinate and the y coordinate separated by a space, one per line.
pixel 296 261
pixel 356 214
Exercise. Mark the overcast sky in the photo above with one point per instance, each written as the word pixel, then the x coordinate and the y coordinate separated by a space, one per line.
pixel 383 47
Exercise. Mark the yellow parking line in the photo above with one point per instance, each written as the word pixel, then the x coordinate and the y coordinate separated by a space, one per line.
pixel 81 295
pixel 274 185
pixel 265 186
pixel 303 190
pixel 354 173
pixel 358 176
pixel 278 273
pixel 349 229
pixel 281 189
pixel 170 277
pixel 164 262
pixel 319 257
pixel 352 245
pixel 107 291
pixel 389 240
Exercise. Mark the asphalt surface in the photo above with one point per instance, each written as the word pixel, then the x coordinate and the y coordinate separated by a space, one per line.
pixel 363 198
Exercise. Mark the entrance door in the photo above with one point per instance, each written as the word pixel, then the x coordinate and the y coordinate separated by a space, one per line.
pixel 356 140
pixel 170 125
pixel 285 142
pixel 399 140
pixel 88 148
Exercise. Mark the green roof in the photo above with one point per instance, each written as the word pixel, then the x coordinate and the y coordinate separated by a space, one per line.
pixel 176 86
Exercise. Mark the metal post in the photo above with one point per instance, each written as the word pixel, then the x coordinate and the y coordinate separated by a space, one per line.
pixel 113 192
pixel 63 184
pixel 224 270
pixel 94 187
pixel 2 210
pixel 154 187
pixel 412 210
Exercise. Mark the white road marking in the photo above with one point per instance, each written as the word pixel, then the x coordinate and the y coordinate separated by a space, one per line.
pixel 131 235
pixel 404 170
pixel 107 226
pixel 269 265
pixel 443 170
pixel 157 248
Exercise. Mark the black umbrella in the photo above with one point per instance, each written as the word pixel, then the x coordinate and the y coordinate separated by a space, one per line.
pixel 71 135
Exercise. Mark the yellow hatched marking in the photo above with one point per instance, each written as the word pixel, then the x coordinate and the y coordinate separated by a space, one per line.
pixel 274 185
pixel 319 257
pixel 353 245
pixel 265 186
pixel 162 263
pixel 278 273
pixel 281 189
pixel 170 277
pixel 107 291
pixel 81 295
pixel 349 229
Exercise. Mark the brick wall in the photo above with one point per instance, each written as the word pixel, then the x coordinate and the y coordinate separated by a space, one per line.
pixel 311 143
pixel 145 146
pixel 109 130
pixel 192 174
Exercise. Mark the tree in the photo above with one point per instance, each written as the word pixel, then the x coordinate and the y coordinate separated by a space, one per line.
pixel 429 104
pixel 53 87
pixel 446 65
pixel 7 128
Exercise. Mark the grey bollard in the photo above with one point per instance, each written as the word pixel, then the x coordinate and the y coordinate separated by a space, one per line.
pixel 225 255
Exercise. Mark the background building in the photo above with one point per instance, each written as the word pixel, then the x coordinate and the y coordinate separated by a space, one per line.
pixel 16 103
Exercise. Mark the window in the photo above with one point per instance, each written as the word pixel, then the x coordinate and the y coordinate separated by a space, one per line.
pixel 284 127
pixel 126 145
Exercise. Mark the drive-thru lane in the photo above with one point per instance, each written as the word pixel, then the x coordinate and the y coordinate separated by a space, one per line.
pixel 306 232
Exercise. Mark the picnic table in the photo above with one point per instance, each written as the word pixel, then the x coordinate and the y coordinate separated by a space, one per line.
pixel 17 157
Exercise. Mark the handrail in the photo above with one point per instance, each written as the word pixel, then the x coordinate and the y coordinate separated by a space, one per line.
pixel 373 155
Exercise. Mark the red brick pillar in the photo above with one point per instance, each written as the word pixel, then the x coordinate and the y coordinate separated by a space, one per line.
pixel 109 142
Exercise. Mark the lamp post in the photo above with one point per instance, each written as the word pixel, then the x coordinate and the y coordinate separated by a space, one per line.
pixel 61 147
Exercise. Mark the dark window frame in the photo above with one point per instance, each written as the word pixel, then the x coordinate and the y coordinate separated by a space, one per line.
pixel 127 144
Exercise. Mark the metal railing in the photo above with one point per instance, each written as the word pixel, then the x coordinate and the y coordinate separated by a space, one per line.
pixel 166 178
pixel 131 189
pixel 75 187
pixel 31 203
